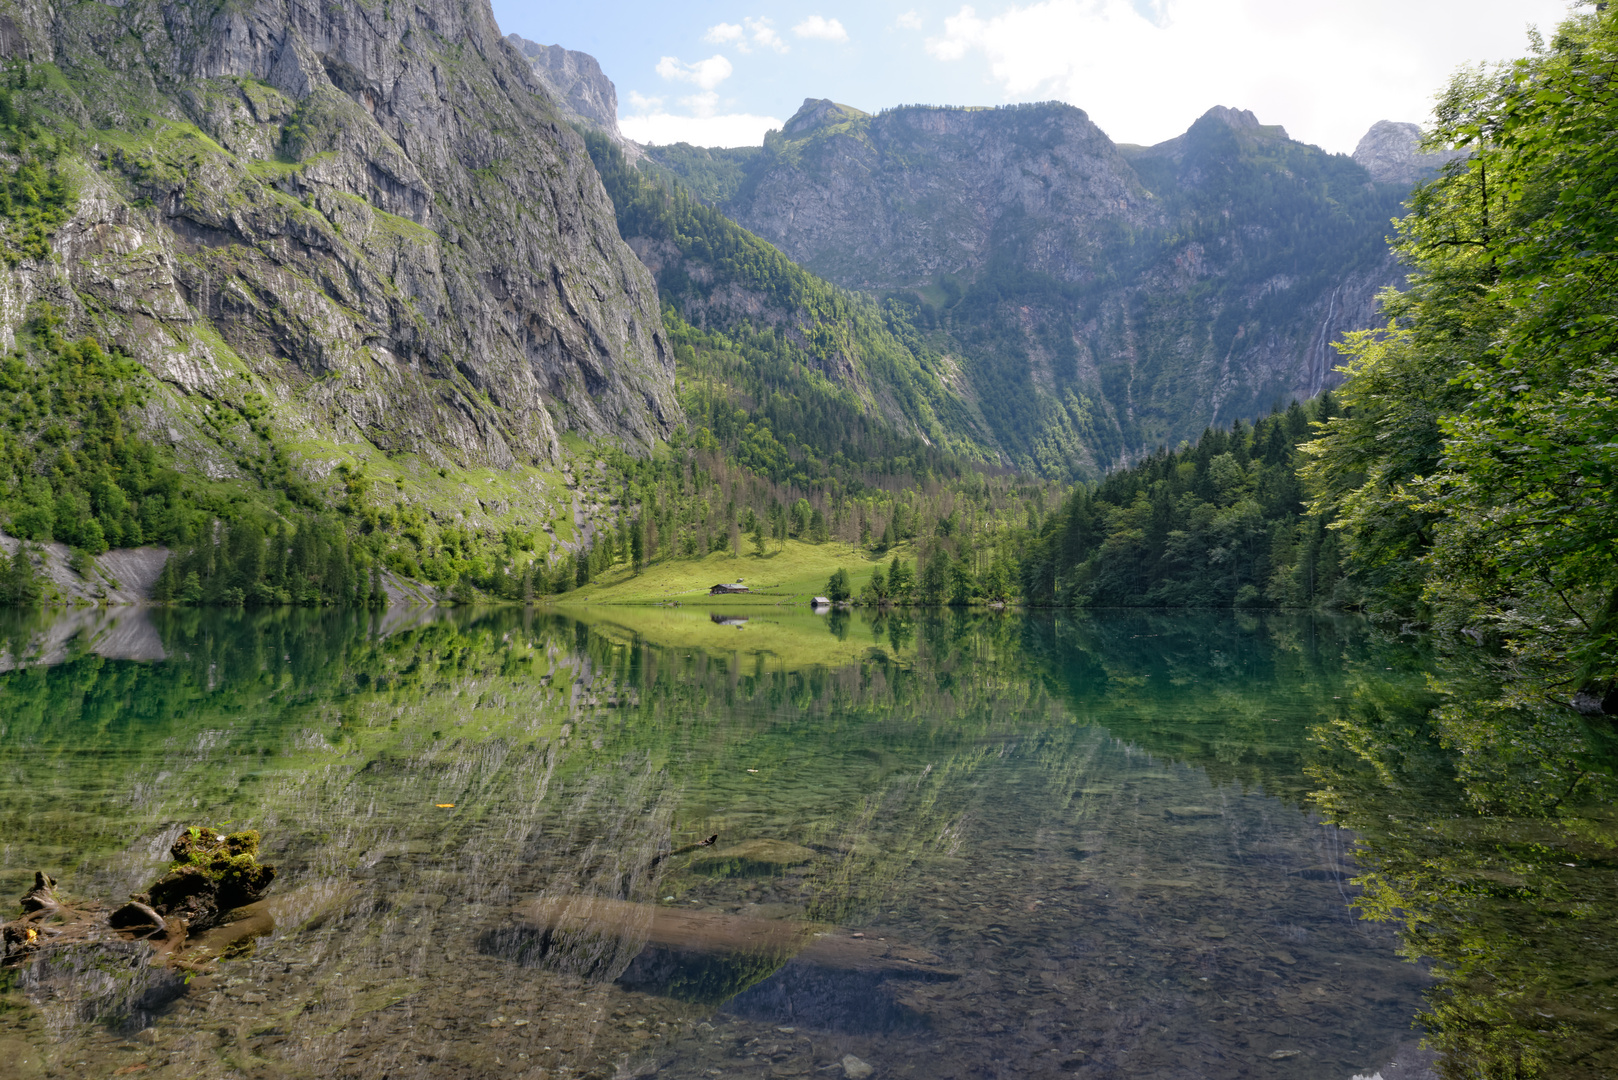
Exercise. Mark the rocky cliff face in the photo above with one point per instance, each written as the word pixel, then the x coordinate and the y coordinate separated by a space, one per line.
pixel 1391 153
pixel 901 198
pixel 372 216
pixel 1105 299
pixel 579 87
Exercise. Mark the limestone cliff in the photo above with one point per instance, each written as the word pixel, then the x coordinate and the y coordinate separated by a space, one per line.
pixel 903 197
pixel 1105 299
pixel 1391 153
pixel 370 218
pixel 578 86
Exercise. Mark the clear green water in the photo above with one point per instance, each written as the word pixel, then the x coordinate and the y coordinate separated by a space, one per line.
pixel 1069 847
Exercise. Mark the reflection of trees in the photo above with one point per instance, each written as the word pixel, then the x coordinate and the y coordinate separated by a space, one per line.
pixel 1489 835
pixel 1470 805
pixel 578 758
pixel 1232 695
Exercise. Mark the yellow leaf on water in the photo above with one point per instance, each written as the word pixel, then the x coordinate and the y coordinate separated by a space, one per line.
pixel 444 805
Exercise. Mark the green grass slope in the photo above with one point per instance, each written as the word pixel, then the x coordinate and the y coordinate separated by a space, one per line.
pixel 788 575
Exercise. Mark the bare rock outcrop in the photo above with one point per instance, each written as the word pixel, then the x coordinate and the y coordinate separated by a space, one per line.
pixel 1391 153
pixel 578 85
pixel 376 219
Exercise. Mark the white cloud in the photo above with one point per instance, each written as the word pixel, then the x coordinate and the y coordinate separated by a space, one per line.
pixel 641 103
pixel 1326 69
pixel 764 34
pixel 734 129
pixel 703 104
pixel 744 37
pixel 910 20
pixel 724 34
pixel 821 29
pixel 707 73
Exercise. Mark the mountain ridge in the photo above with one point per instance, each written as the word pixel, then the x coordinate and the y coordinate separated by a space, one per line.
pixel 336 210
pixel 1115 297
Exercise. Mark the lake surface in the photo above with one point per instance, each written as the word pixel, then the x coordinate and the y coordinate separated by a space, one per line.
pixel 951 846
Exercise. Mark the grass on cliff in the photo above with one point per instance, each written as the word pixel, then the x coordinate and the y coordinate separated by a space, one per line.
pixel 789 574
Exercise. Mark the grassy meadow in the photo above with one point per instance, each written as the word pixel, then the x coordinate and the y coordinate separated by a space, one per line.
pixel 787 575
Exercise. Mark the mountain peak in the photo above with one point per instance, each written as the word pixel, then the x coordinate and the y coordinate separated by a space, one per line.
pixel 1242 120
pixel 1391 153
pixel 817 113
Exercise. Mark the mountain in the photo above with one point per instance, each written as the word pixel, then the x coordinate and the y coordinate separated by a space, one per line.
pixel 847 382
pixel 900 199
pixel 578 86
pixel 1391 153
pixel 371 226
pixel 1098 299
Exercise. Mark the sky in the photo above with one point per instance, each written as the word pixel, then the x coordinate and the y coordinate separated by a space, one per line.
pixel 723 72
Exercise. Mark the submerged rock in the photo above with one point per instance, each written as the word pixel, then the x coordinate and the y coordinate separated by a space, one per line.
pixel 752 858
pixel 1190 813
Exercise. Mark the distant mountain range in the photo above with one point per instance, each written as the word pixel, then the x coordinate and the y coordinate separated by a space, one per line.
pixel 1100 299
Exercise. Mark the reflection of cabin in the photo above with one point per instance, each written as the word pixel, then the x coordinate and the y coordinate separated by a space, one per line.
pixel 727 589
pixel 820 601
pixel 729 620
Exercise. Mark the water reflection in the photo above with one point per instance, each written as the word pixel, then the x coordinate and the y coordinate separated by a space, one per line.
pixel 948 845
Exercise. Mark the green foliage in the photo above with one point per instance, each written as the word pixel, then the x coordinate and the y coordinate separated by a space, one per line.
pixel 244 565
pixel 712 174
pixel 837 587
pixel 1219 524
pixel 1472 481
pixel 19 584
pixel 1475 473
pixel 35 195
pixel 68 469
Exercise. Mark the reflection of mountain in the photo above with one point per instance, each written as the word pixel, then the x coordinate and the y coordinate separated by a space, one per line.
pixel 950 804
pixel 29 639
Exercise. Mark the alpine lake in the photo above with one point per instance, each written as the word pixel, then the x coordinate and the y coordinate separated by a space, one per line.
pixel 945 845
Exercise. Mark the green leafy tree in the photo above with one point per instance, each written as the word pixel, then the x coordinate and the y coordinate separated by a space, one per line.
pixel 838 589
pixel 19 584
pixel 875 592
pixel 963 584
pixel 901 581
pixel 1474 471
pixel 934 585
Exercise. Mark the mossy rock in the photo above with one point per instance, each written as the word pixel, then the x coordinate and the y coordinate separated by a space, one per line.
pixel 188 892
pixel 200 844
pixel 215 874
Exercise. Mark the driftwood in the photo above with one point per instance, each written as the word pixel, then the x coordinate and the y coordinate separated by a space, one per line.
pixel 208 901
pixel 718 933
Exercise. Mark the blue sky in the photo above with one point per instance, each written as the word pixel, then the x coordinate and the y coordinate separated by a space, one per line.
pixel 722 73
